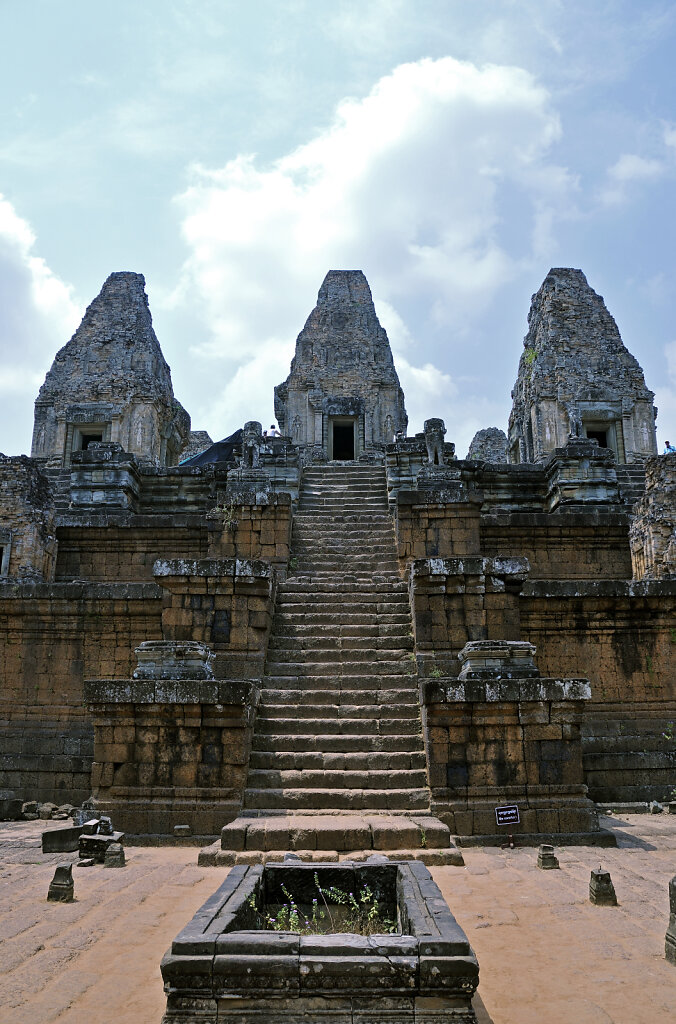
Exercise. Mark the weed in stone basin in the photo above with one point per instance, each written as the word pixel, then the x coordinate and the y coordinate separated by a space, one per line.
pixel 338 911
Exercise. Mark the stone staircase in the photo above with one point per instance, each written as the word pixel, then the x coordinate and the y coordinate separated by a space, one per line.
pixel 631 483
pixel 338 760
pixel 59 480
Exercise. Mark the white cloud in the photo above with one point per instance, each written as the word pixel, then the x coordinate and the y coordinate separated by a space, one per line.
pixel 37 316
pixel 629 168
pixel 436 184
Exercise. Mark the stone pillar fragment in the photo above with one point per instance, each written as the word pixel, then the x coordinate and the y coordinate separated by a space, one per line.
pixel 670 937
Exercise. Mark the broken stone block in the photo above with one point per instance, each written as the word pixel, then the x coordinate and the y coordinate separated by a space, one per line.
pixel 61 840
pixel 672 806
pixel 655 807
pixel 29 810
pixel 10 806
pixel 601 889
pixel 182 830
pixel 114 856
pixel 46 810
pixel 96 845
pixel 62 887
pixel 547 858
pixel 670 937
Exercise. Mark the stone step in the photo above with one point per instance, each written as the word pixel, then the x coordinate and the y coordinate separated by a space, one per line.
pixel 275 778
pixel 289 620
pixel 354 523
pixel 347 799
pixel 268 714
pixel 319 761
pixel 368 592
pixel 343 503
pixel 339 609
pixel 327 697
pixel 276 668
pixel 323 574
pixel 368 727
pixel 344 682
pixel 401 642
pixel 319 831
pixel 346 486
pixel 286 659
pixel 336 629
pixel 339 743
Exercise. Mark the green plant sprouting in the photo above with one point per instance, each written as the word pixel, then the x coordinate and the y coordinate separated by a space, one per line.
pixel 332 910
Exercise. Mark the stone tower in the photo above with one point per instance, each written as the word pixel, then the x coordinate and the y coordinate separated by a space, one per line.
pixel 576 377
pixel 111 383
pixel 343 393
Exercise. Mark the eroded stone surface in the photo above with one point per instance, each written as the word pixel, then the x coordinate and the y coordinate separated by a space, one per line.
pixel 342 372
pixel 577 378
pixel 652 533
pixel 111 383
pixel 489 445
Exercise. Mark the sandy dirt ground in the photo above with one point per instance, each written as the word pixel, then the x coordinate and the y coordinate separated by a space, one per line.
pixel 546 954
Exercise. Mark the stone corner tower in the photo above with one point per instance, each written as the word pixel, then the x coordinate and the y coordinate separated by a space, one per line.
pixel 110 382
pixel 576 377
pixel 343 392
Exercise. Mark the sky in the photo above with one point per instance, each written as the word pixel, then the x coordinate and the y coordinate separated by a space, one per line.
pixel 234 153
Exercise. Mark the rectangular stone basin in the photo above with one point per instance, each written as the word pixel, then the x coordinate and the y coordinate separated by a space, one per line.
pixel 224 968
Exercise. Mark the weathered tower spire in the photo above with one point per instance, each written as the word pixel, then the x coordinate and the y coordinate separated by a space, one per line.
pixel 576 377
pixel 343 392
pixel 111 383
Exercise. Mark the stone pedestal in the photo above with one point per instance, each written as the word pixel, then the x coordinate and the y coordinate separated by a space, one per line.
pixel 601 889
pixel 62 887
pixel 580 473
pixel 499 734
pixel 547 860
pixel 104 476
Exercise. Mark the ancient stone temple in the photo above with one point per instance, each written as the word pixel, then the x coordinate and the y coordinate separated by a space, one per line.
pixel 342 639
pixel 343 393
pixel 577 378
pixel 111 383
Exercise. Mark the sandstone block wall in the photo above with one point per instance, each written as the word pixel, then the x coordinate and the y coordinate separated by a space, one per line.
pixel 653 526
pixel 27 535
pixel 527 751
pixel 52 637
pixel 580 545
pixel 179 758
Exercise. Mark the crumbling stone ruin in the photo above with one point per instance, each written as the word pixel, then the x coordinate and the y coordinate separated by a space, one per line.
pixel 111 383
pixel 577 379
pixel 343 392
pixel 489 445
pixel 342 639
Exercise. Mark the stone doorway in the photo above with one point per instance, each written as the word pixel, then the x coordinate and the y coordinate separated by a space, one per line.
pixel 342 439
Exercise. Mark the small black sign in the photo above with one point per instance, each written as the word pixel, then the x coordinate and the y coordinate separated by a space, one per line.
pixel 507 815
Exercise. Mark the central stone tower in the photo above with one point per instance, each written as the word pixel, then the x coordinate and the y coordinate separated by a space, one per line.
pixel 342 394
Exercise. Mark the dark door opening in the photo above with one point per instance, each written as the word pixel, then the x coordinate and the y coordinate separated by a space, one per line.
pixel 343 441
pixel 88 439
pixel 599 435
